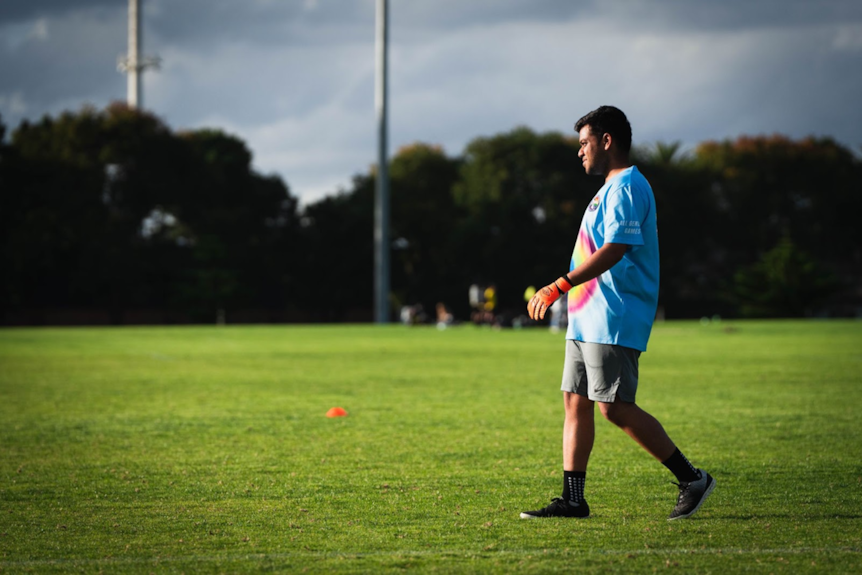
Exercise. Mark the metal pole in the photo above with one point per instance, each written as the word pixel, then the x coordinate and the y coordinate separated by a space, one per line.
pixel 381 205
pixel 133 86
pixel 133 64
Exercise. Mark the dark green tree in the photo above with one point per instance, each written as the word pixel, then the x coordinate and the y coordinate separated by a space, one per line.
pixel 424 217
pixel 64 246
pixel 785 282
pixel 110 210
pixel 688 232
pixel 337 265
pixel 762 190
pixel 242 227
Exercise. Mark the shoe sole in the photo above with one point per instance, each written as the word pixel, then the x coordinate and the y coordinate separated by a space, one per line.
pixel 706 493
pixel 528 516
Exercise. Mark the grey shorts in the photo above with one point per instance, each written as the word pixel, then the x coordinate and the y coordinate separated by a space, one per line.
pixel 601 372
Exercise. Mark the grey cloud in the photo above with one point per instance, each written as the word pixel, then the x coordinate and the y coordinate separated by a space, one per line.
pixel 12 11
pixel 328 21
pixel 711 15
pixel 76 61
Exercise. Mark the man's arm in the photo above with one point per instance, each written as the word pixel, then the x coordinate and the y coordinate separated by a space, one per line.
pixel 598 263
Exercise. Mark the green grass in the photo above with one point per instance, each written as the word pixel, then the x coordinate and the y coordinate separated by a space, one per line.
pixel 205 449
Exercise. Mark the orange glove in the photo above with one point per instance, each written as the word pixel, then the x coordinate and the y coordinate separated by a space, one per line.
pixel 546 296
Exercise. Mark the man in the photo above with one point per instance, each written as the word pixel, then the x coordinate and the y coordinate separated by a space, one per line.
pixel 612 291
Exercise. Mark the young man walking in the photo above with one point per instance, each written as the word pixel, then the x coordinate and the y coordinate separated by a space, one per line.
pixel 612 289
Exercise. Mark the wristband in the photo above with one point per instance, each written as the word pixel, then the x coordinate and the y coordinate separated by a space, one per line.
pixel 563 284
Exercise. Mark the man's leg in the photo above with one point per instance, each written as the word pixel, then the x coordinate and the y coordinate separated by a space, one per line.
pixel 579 431
pixel 640 426
pixel 578 437
pixel 695 485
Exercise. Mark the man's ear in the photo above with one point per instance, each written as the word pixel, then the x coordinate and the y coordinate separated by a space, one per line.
pixel 607 140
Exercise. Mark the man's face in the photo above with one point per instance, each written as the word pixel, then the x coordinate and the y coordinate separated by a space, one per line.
pixel 592 153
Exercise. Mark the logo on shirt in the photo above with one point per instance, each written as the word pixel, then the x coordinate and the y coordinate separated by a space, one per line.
pixel 630 227
pixel 595 205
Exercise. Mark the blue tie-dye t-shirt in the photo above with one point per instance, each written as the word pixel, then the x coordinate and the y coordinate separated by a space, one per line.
pixel 619 306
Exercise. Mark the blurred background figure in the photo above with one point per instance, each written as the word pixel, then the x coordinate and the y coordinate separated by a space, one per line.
pixel 444 316
pixel 490 304
pixel 406 314
pixel 413 314
pixel 477 303
pixel 559 317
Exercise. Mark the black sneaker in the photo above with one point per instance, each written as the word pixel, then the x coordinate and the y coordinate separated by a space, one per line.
pixel 559 508
pixel 692 494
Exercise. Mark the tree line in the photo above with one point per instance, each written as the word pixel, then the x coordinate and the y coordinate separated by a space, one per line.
pixel 109 216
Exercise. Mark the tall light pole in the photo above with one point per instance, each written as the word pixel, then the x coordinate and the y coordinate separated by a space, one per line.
pixel 381 196
pixel 133 64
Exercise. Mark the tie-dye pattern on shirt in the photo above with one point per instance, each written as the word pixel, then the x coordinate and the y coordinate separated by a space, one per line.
pixel 581 294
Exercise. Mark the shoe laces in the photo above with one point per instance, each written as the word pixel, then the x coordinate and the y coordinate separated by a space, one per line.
pixel 683 489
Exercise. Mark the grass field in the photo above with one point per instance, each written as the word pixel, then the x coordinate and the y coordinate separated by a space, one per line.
pixel 206 449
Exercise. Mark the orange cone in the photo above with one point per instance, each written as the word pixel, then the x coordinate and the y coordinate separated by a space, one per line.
pixel 336 412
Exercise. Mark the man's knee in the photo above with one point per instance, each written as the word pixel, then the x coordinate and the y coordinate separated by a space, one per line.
pixel 577 404
pixel 617 412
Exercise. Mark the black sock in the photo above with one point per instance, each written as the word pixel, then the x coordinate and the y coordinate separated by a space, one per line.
pixel 573 486
pixel 681 468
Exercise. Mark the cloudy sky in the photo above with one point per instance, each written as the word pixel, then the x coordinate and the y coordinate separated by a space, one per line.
pixel 295 78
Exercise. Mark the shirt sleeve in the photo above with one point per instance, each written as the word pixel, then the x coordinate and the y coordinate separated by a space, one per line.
pixel 623 217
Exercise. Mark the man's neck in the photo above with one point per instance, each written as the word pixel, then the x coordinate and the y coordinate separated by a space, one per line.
pixel 616 168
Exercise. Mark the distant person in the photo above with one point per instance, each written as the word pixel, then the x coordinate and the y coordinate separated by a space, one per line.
pixel 558 314
pixel 406 314
pixel 490 297
pixel 477 303
pixel 419 315
pixel 612 291
pixel 444 316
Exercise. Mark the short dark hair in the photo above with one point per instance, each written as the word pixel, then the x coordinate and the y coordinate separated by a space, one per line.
pixel 608 120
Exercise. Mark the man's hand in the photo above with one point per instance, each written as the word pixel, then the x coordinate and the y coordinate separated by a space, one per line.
pixel 598 263
pixel 546 296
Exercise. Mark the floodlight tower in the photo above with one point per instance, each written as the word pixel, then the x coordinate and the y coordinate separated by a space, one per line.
pixel 381 196
pixel 133 64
